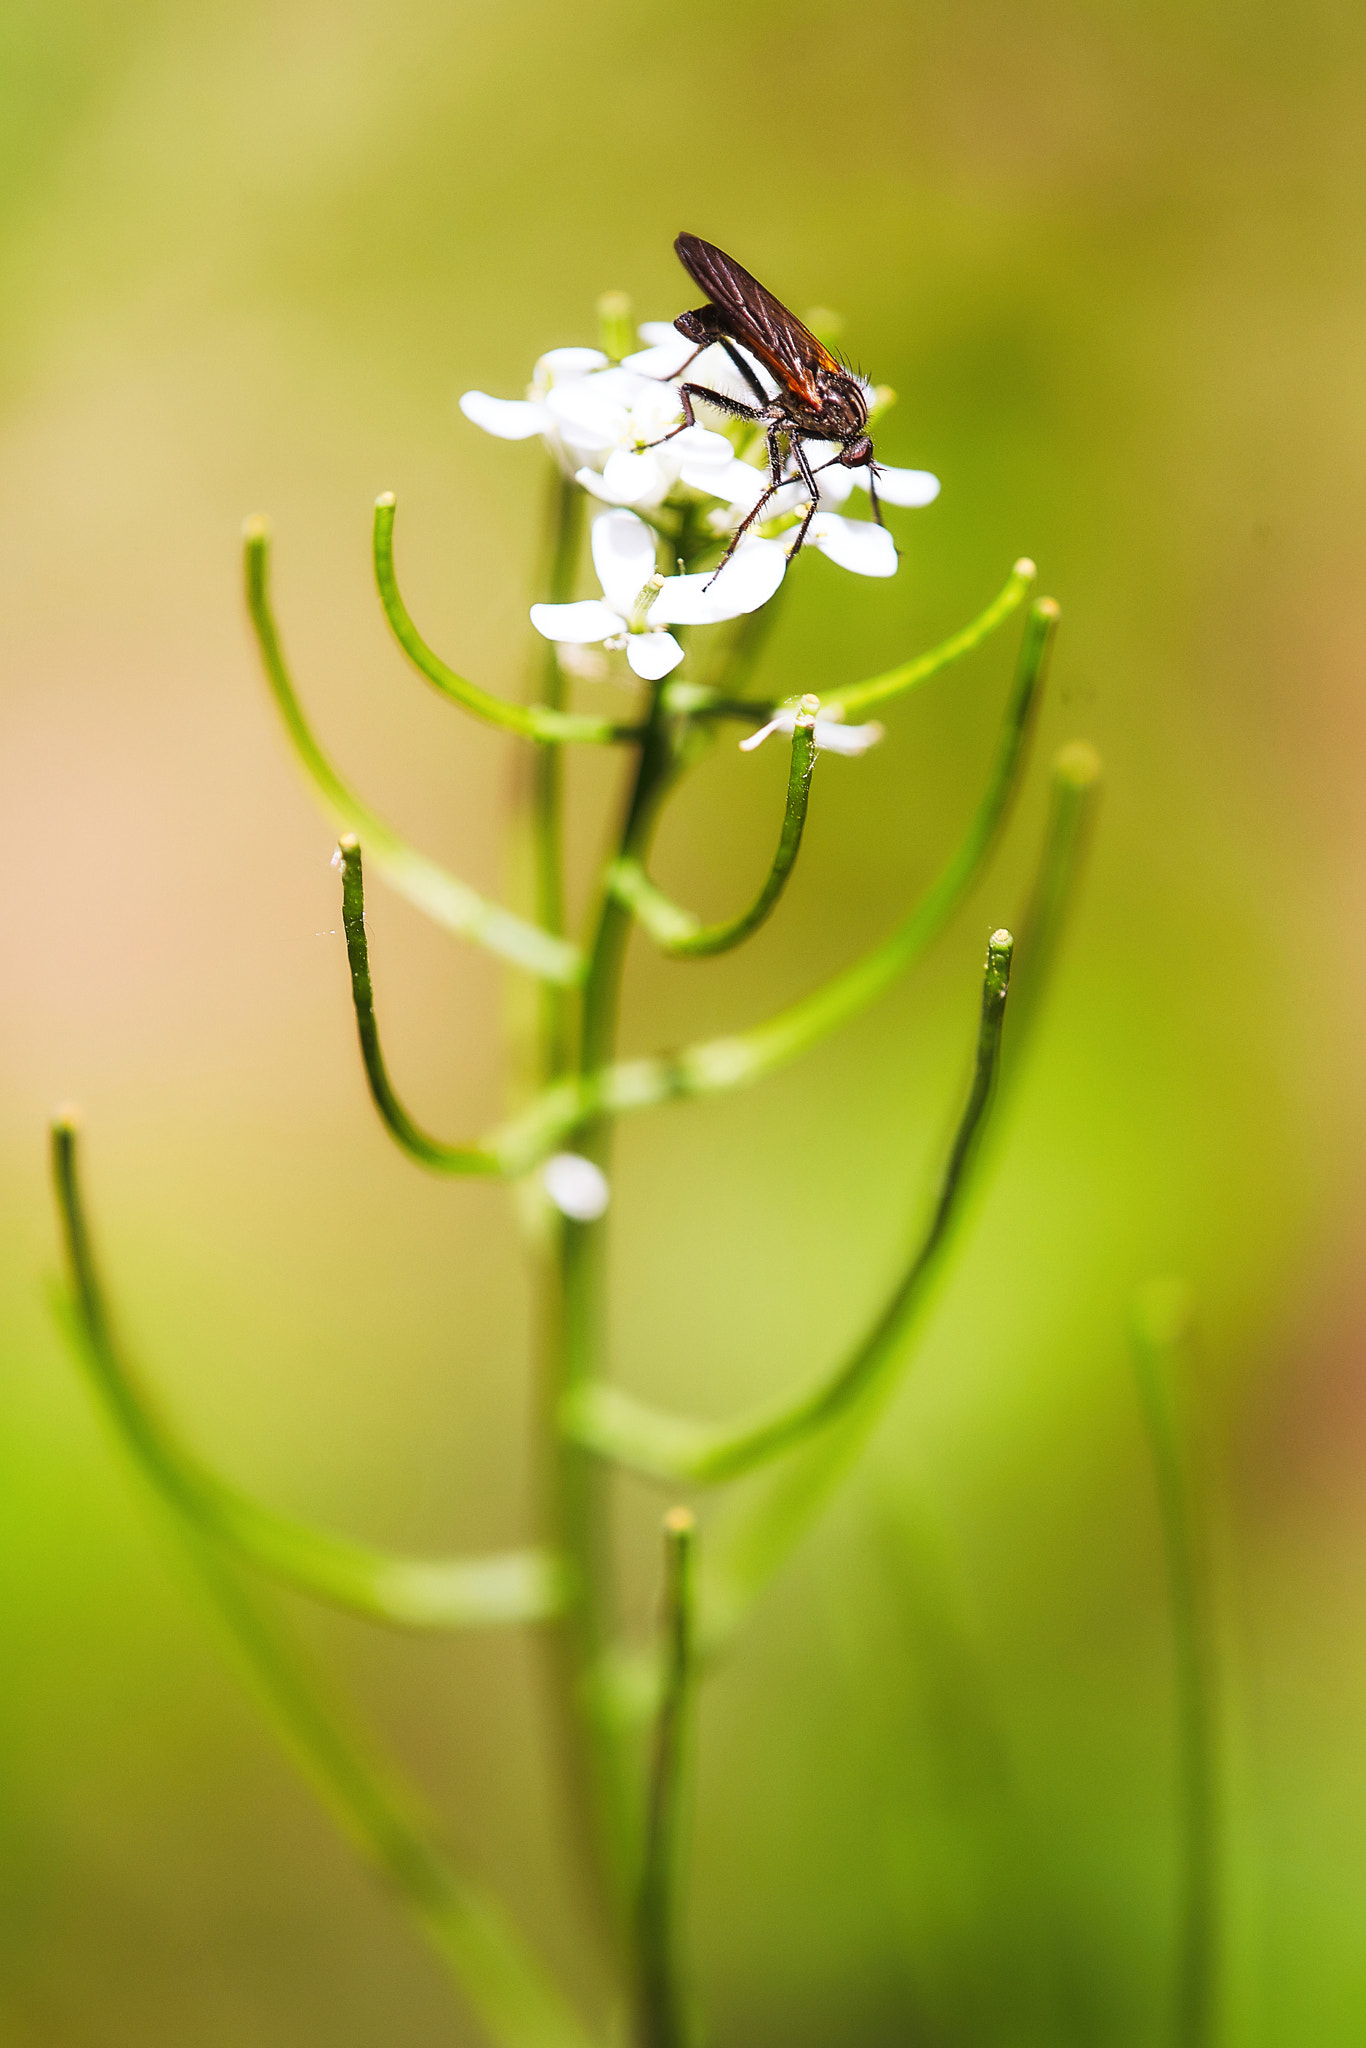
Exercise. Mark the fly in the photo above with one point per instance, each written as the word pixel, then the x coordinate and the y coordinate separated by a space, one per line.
pixel 817 397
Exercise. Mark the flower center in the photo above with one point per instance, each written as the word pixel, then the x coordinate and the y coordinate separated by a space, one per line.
pixel 640 610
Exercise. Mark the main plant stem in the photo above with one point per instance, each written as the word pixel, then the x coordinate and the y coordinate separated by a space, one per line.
pixel 564 530
pixel 1161 1328
pixel 595 1758
pixel 569 1511
pixel 575 1347
pixel 574 1505
pixel 662 2014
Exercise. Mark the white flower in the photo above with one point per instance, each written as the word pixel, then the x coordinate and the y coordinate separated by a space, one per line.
pixel 606 424
pixel 830 732
pixel 619 421
pixel 517 419
pixel 576 1186
pixel 637 603
pixel 612 426
pixel 858 544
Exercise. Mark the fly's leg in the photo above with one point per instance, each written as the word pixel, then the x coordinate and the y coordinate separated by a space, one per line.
pixel 701 349
pixel 873 496
pixel 776 482
pixel 746 371
pixel 687 393
pixel 809 479
pixel 706 327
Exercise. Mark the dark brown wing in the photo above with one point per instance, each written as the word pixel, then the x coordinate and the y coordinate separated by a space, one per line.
pixel 761 323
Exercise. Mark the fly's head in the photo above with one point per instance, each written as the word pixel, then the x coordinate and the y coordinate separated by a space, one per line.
pixel 843 407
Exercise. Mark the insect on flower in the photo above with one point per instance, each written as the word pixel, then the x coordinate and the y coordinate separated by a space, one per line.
pixel 817 398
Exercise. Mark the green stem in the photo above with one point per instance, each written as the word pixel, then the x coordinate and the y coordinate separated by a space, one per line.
pixel 547 775
pixel 1067 841
pixel 518 2004
pixel 854 698
pixel 757 1530
pixel 409 1136
pixel 662 2005
pixel 531 721
pixel 449 902
pixel 1161 1329
pixel 747 1056
pixel 402 1592
pixel 677 932
pixel 860 697
pixel 576 1525
pixel 674 1447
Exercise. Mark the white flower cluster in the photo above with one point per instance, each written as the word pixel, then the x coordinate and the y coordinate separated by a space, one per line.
pixel 606 425
pixel 638 605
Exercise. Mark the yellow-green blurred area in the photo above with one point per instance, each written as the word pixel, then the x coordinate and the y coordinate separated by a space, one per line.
pixel 1111 258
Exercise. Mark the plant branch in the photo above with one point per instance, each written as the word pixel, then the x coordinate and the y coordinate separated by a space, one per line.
pixel 677 932
pixel 546 808
pixel 518 2004
pixel 733 1062
pixel 409 1136
pixel 702 702
pixel 758 1529
pixel 531 721
pixel 449 902
pixel 1073 804
pixel 857 698
pixel 662 2006
pixel 402 1592
pixel 1161 1333
pixel 576 1504
pixel 675 1447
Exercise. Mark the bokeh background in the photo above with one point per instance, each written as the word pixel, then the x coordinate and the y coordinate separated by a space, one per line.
pixel 1112 258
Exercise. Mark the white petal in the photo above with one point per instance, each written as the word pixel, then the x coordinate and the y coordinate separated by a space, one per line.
pixel 683 601
pixel 598 487
pixel 858 544
pixel 590 619
pixel 846 739
pixel 511 419
pixel 748 580
pixel 589 418
pixel 594 485
pixel 576 1186
pixel 756 739
pixel 830 734
pixel 752 574
pixel 563 365
pixel 739 483
pixel 621 385
pixel 662 359
pixel 699 445
pixel 653 409
pixel 656 330
pixel 702 449
pixel 902 486
pixel 629 479
pixel 834 484
pixel 652 655
pixel 623 555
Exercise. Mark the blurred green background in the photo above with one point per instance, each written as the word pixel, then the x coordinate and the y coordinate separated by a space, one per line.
pixel 1112 258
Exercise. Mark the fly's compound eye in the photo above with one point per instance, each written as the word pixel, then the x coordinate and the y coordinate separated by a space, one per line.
pixel 855 454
